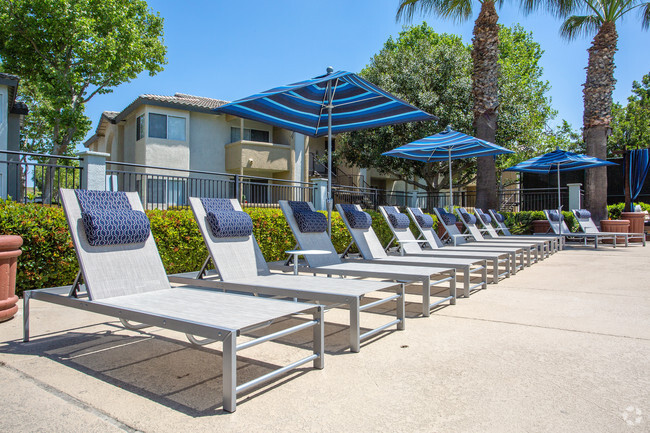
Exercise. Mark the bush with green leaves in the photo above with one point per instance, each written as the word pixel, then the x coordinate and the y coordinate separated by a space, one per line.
pixel 614 210
pixel 521 223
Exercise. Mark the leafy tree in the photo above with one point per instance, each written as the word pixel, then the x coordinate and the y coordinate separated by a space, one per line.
pixel 485 73
pixel 599 17
pixel 631 123
pixel 68 51
pixel 433 72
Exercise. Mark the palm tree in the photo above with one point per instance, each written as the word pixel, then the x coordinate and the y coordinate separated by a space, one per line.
pixel 599 18
pixel 485 53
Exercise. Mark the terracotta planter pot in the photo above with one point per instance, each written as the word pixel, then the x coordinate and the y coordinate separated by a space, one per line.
pixel 636 220
pixel 541 226
pixel 9 252
pixel 615 226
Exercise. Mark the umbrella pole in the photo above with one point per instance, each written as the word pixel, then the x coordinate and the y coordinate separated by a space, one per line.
pixel 451 186
pixel 559 205
pixel 330 201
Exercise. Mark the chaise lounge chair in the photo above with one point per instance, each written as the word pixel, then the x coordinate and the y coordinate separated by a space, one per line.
pixel 124 277
pixel 428 236
pixel 501 226
pixel 363 235
pixel 240 266
pixel 588 226
pixel 556 221
pixel 547 246
pixel 448 222
pixel 311 234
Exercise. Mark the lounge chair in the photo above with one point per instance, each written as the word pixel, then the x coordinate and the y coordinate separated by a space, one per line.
pixel 448 222
pixel 363 235
pixel 428 236
pixel 124 277
pixel 311 234
pixel 588 226
pixel 499 220
pixel 240 266
pixel 556 221
pixel 547 245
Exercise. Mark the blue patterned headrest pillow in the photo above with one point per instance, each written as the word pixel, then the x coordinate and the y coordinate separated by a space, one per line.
pixel 487 219
pixel 217 204
pixel 425 221
pixel 300 206
pixel 230 224
pixel 310 221
pixel 553 215
pixel 448 218
pixel 583 214
pixel 358 219
pixel 469 218
pixel 115 226
pixel 100 200
pixel 499 217
pixel 399 220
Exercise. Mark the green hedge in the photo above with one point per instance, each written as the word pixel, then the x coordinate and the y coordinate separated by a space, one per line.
pixel 614 210
pixel 48 258
pixel 522 222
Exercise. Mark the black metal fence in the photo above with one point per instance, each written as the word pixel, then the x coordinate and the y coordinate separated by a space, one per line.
pixel 165 188
pixel 36 178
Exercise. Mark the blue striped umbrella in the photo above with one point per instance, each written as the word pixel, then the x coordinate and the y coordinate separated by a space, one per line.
pixel 445 146
pixel 560 160
pixel 330 104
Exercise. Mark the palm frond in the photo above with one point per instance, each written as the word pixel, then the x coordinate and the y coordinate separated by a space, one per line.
pixel 577 25
pixel 559 8
pixel 455 9
pixel 645 14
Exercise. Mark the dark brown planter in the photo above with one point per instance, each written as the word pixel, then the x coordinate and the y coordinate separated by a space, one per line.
pixel 441 229
pixel 541 226
pixel 9 252
pixel 614 226
pixel 636 220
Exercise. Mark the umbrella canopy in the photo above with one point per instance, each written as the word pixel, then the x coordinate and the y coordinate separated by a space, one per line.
pixel 329 104
pixel 559 160
pixel 445 146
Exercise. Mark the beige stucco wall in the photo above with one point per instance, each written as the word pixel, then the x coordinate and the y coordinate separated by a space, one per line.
pixel 266 157
pixel 209 134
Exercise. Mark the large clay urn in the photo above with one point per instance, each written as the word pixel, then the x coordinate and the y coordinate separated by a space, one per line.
pixel 636 220
pixel 9 252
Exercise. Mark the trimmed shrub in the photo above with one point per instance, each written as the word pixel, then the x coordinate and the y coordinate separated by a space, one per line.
pixel 521 223
pixel 614 210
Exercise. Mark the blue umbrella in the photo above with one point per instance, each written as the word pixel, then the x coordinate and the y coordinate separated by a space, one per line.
pixel 445 146
pixel 329 104
pixel 560 160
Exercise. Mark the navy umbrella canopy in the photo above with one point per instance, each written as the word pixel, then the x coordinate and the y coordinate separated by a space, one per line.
pixel 559 160
pixel 445 146
pixel 329 104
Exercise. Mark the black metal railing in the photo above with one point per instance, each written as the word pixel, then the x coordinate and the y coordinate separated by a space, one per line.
pixel 36 177
pixel 167 188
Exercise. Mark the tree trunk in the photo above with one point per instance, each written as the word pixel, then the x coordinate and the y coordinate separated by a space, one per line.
pixel 485 90
pixel 597 95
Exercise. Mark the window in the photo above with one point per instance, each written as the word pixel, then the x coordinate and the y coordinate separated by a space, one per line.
pixel 250 135
pixel 163 126
pixel 139 128
pixel 170 192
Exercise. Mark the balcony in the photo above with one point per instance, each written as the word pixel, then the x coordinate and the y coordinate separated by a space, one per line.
pixel 258 156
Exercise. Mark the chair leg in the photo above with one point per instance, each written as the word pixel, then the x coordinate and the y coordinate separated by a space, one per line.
pixel 355 332
pixel 319 338
pixel 230 372
pixel 26 296
pixel 401 307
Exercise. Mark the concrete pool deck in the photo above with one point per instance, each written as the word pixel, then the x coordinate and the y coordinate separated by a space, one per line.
pixel 562 346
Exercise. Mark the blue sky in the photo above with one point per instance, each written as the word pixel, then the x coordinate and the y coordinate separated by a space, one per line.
pixel 230 49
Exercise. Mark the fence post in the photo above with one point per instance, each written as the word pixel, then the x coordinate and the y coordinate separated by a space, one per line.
pixel 238 188
pixel 574 196
pixel 413 199
pixel 320 193
pixel 93 170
